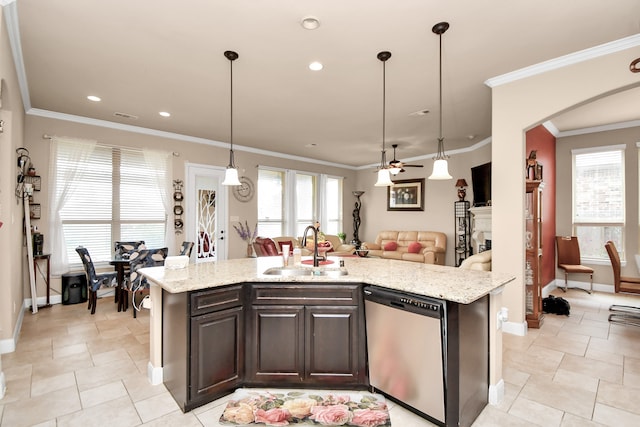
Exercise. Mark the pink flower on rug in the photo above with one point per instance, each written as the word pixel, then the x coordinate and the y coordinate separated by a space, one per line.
pixel 241 414
pixel 332 415
pixel 369 418
pixel 273 417
pixel 299 408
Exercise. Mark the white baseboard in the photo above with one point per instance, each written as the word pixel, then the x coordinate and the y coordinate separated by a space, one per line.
pixel 154 374
pixel 515 328
pixel 559 284
pixel 496 393
pixel 9 345
pixel 3 385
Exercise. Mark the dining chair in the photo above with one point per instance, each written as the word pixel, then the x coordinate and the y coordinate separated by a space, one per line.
pixel 625 314
pixel 94 280
pixel 186 248
pixel 568 253
pixel 121 248
pixel 136 282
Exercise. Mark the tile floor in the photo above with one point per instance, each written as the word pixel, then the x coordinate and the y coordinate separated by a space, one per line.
pixel 74 369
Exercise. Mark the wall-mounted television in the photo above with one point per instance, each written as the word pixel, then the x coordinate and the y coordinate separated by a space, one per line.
pixel 481 184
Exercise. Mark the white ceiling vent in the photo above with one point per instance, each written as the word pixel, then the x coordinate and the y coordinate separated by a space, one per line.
pixel 125 116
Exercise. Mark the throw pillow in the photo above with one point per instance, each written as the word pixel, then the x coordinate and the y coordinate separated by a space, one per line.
pixel 414 247
pixel 390 246
pixel 287 242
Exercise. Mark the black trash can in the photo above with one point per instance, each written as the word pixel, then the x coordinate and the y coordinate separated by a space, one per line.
pixel 74 288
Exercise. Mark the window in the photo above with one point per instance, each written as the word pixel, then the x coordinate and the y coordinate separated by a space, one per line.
pixel 270 203
pixel 110 194
pixel 289 201
pixel 333 205
pixel 598 200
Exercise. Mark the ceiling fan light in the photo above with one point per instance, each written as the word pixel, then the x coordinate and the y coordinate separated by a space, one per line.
pixel 440 170
pixel 231 176
pixel 384 179
pixel 394 170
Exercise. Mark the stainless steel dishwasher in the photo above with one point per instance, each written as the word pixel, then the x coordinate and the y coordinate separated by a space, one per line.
pixel 405 351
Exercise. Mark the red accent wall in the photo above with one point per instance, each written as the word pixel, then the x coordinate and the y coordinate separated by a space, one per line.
pixel 541 140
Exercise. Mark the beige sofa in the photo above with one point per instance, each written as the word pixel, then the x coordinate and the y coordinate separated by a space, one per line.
pixel 428 247
pixel 481 261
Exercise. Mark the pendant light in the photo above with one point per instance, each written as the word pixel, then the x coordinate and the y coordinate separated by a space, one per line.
pixel 231 174
pixel 384 178
pixel 440 166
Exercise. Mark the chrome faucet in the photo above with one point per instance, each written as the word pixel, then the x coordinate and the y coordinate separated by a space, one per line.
pixel 316 261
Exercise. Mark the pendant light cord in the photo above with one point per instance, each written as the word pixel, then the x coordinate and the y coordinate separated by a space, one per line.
pixel 384 112
pixel 440 85
pixel 440 29
pixel 231 56
pixel 384 56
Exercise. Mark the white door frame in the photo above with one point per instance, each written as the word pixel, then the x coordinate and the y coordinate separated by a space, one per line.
pixel 222 206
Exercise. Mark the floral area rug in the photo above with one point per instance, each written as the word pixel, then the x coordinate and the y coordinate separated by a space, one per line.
pixel 262 407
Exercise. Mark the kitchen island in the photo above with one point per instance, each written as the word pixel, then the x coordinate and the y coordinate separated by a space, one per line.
pixel 221 320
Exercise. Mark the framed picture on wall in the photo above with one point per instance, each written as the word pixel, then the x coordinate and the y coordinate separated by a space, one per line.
pixel 406 195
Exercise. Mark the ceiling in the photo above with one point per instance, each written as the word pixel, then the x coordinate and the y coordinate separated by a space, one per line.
pixel 146 56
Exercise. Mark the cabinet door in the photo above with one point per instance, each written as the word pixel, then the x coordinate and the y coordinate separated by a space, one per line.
pixel 276 350
pixel 217 359
pixel 332 350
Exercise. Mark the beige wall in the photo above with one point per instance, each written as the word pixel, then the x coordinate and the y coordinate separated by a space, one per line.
pixel 517 107
pixel 602 273
pixel 439 198
pixel 12 261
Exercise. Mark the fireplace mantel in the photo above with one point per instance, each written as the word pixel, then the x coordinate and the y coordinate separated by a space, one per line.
pixel 480 227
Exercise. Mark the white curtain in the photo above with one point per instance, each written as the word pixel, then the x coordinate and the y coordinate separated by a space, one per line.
pixel 161 164
pixel 75 152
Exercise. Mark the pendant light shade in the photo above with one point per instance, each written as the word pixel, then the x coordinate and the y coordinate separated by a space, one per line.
pixel 231 174
pixel 384 178
pixel 440 166
pixel 440 170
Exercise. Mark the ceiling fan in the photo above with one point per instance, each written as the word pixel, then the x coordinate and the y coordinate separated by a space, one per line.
pixel 396 166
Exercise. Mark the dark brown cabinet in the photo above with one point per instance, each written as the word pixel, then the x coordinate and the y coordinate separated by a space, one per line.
pixel 216 352
pixel 203 344
pixel 313 340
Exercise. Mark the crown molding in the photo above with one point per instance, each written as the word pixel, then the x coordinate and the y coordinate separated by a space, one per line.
pixel 602 128
pixel 176 136
pixel 566 60
pixel 10 11
pixel 430 156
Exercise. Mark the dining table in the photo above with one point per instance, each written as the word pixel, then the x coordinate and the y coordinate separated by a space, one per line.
pixel 121 266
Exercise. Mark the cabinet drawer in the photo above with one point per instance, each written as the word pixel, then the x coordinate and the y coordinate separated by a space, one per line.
pixel 307 294
pixel 208 301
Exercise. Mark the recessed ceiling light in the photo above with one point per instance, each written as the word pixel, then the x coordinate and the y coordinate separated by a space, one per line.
pixel 310 23
pixel 164 114
pixel 316 66
pixel 94 98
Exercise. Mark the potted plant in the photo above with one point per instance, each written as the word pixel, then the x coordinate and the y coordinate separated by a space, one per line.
pixel 342 236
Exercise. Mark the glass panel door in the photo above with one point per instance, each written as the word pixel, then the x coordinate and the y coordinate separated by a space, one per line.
pixel 206 212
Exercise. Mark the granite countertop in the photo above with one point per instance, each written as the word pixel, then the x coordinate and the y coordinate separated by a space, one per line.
pixel 449 283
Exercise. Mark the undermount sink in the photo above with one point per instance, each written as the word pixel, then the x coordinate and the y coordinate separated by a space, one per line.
pixel 290 272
